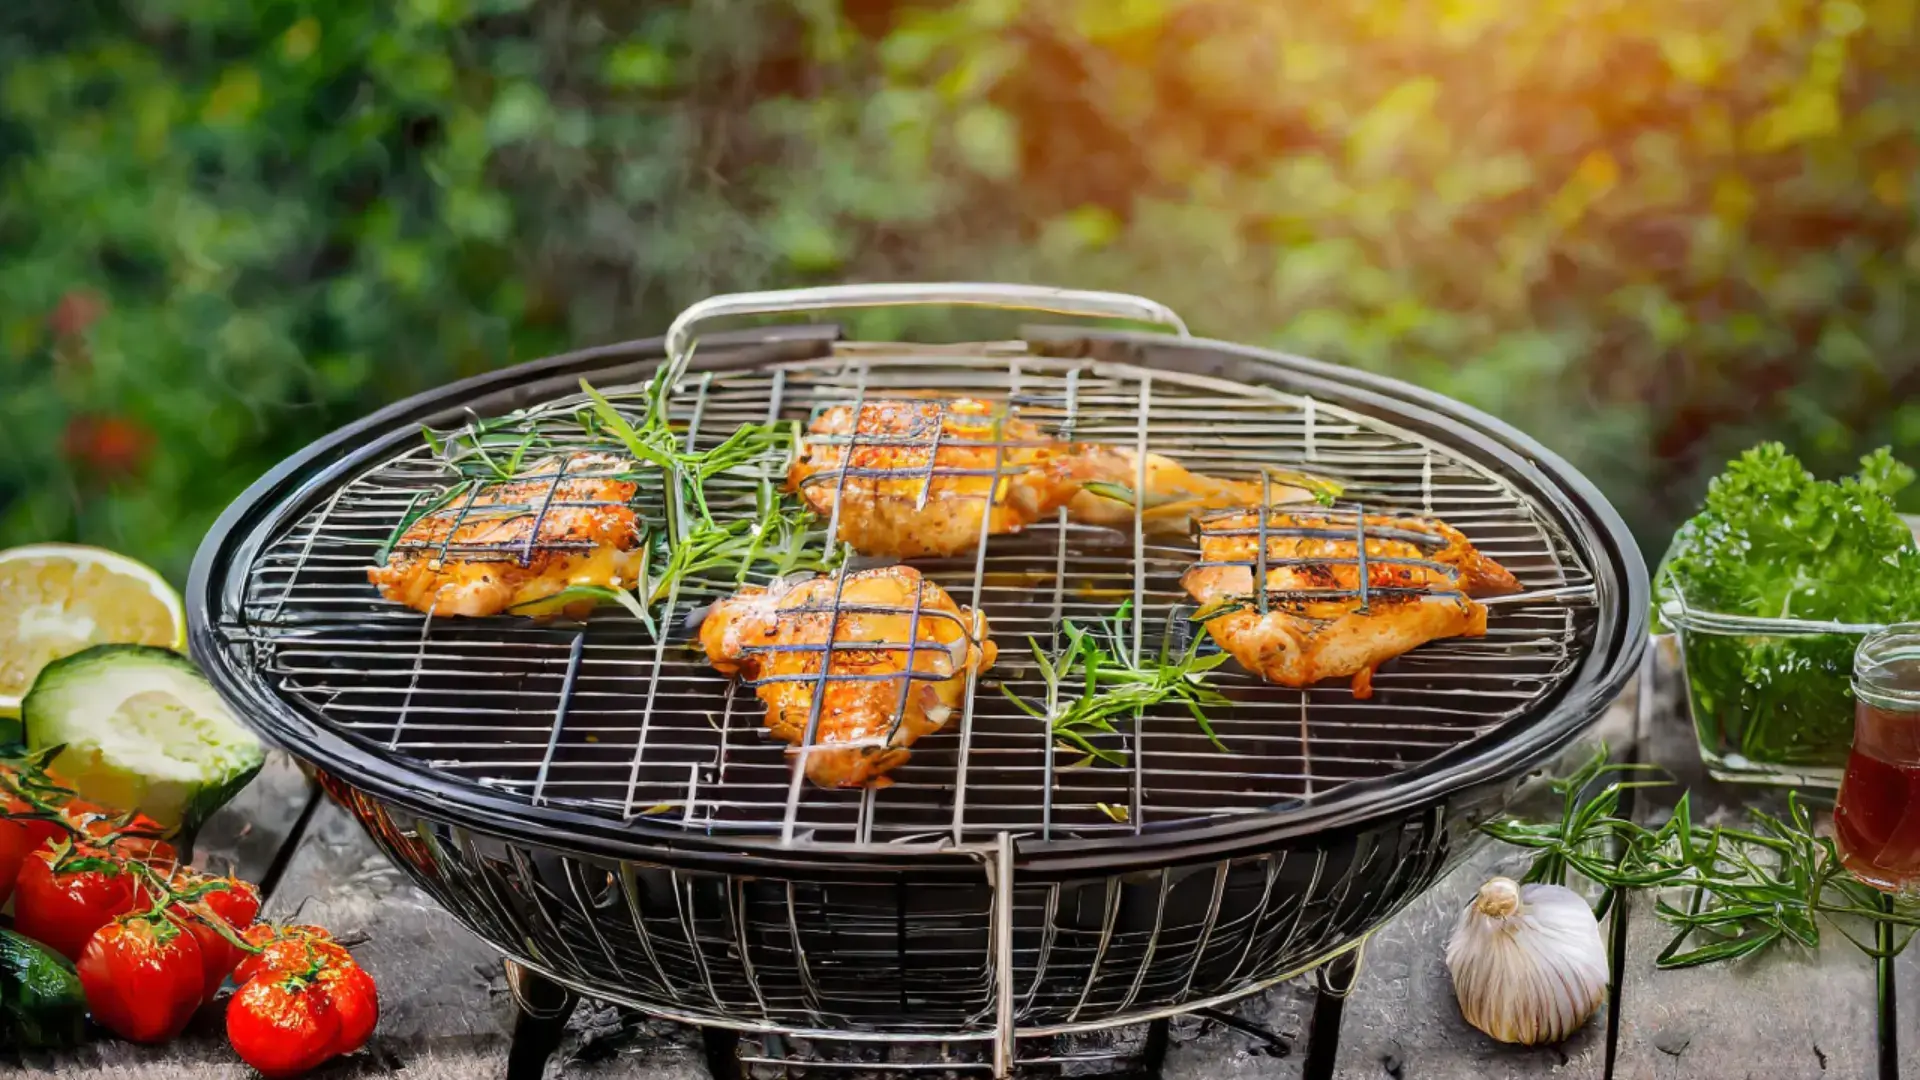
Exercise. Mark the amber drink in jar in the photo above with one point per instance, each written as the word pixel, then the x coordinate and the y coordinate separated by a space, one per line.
pixel 1876 822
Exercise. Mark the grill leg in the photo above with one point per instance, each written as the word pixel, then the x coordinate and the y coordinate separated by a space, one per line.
pixel 1337 979
pixel 1154 1054
pixel 543 1008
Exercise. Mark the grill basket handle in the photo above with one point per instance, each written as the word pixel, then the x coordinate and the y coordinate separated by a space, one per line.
pixel 681 336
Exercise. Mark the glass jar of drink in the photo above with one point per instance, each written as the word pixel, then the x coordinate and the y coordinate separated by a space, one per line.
pixel 1876 822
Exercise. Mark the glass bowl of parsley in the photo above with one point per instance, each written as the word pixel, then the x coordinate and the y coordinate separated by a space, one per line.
pixel 1769 590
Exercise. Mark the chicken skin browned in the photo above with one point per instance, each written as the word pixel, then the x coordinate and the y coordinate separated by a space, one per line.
pixel 465 558
pixel 914 477
pixel 893 677
pixel 918 478
pixel 1421 577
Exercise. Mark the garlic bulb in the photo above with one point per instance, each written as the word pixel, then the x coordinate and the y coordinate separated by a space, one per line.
pixel 1527 962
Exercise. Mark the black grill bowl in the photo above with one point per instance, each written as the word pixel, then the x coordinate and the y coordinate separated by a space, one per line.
pixel 902 916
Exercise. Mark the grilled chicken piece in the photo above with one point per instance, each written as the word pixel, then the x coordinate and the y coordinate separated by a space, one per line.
pixel 872 709
pixel 1421 577
pixel 916 479
pixel 587 533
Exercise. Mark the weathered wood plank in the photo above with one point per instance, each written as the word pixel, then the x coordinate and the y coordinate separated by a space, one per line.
pixel 1403 1020
pixel 1783 1014
pixel 436 980
pixel 1204 1049
pixel 1906 1027
pixel 245 837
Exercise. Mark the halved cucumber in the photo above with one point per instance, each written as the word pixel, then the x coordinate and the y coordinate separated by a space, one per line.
pixel 142 730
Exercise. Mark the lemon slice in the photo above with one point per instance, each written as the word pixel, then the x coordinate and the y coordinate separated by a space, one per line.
pixel 56 599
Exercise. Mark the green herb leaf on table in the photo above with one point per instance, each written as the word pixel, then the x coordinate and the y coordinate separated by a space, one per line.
pixel 1726 891
pixel 1111 686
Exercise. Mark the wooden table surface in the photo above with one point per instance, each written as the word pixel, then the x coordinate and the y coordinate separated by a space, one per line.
pixel 446 1012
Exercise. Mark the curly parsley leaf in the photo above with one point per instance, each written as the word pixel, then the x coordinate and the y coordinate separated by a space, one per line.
pixel 1775 542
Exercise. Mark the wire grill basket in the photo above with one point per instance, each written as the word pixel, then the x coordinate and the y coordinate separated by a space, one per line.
pixel 596 801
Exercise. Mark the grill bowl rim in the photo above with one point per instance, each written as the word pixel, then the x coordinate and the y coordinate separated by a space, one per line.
pixel 1599 535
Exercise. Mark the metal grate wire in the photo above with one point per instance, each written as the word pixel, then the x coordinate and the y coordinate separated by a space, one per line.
pixel 605 718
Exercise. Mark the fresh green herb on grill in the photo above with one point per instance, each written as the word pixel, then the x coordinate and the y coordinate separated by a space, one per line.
pixel 489 450
pixel 655 442
pixel 497 449
pixel 781 539
pixel 1733 891
pixel 1111 686
pixel 694 545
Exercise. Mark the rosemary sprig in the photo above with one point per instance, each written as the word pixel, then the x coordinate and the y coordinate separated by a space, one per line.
pixel 1727 892
pixel 1113 686
pixel 654 441
pixel 488 450
pixel 780 539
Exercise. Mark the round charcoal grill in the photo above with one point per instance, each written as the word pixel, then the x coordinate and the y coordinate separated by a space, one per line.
pixel 606 810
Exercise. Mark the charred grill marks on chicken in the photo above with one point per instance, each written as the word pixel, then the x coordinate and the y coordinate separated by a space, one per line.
pixel 1343 591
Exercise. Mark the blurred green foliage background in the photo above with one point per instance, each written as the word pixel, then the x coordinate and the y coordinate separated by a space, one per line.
pixel 1648 232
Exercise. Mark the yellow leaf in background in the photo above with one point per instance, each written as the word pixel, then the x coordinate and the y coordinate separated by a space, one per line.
pixel 1463 21
pixel 1107 21
pixel 1891 186
pixel 234 99
pixel 1392 120
pixel 23 336
pixel 988 140
pixel 976 72
pixel 153 122
pixel 300 40
pixel 1713 129
pixel 1810 113
pixel 1596 175
pixel 1891 20
pixel 1826 63
pixel 1693 57
pixel 1117 813
pixel 640 64
pixel 1084 228
pixel 1841 18
pixel 991 14
pixel 1307 62
pixel 1733 199
pixel 1598 172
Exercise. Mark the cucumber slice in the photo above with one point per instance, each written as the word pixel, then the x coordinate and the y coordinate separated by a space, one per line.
pixel 41 1004
pixel 141 730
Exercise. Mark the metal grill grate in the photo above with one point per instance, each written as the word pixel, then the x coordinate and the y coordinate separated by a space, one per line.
pixel 603 717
